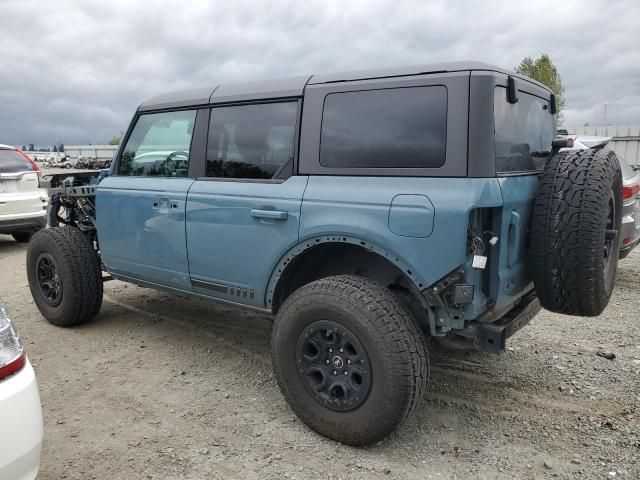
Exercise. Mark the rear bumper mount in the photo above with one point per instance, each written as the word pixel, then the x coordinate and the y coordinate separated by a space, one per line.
pixel 492 337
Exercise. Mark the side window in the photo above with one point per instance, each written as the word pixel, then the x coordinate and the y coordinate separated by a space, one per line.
pixel 523 132
pixel 159 145
pixel 387 128
pixel 252 141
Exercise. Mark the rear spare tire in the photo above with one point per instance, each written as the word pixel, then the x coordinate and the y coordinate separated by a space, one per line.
pixel 575 238
pixel 349 358
pixel 64 275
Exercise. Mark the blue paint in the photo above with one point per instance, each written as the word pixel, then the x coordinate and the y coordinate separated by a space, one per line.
pixel 411 216
pixel 141 225
pixel 233 238
pixel 237 231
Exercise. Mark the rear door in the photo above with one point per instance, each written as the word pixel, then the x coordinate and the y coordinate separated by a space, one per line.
pixel 140 208
pixel 523 134
pixel 244 213
pixel 19 194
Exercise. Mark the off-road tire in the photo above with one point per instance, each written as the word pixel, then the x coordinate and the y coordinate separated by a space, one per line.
pixel 78 268
pixel 568 232
pixel 22 237
pixel 391 338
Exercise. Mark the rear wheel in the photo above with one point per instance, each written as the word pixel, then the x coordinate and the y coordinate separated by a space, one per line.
pixel 349 358
pixel 64 275
pixel 575 240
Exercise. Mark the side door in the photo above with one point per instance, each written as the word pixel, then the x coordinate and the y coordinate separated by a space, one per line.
pixel 140 208
pixel 244 213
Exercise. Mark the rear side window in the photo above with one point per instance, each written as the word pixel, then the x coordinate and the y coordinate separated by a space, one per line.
pixel 12 162
pixel 159 145
pixel 523 132
pixel 387 128
pixel 252 141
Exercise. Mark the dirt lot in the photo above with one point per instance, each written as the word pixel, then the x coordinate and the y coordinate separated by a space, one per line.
pixel 163 387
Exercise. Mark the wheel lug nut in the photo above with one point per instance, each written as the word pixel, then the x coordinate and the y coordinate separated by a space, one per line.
pixel 327 362
pixel 331 350
pixel 341 350
pixel 335 373
pixel 348 362
pixel 346 373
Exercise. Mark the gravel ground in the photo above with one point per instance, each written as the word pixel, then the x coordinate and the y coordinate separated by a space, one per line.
pixel 163 387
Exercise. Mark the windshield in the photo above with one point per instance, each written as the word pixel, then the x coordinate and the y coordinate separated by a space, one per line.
pixel 523 132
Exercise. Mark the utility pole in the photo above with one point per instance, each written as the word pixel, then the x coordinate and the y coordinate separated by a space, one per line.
pixel 604 115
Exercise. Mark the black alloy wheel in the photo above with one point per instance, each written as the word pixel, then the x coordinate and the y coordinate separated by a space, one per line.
pixel 49 280
pixel 333 365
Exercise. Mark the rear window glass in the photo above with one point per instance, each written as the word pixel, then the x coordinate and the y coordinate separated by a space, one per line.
pixel 12 162
pixel 388 128
pixel 523 132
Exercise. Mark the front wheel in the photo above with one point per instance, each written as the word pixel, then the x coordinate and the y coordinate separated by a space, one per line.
pixel 349 358
pixel 64 275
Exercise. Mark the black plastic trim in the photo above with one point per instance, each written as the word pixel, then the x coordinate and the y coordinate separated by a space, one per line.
pixel 215 287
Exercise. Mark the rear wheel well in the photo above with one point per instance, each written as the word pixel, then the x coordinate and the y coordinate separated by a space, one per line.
pixel 329 259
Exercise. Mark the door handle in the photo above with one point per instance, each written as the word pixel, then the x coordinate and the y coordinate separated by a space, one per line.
pixel 269 214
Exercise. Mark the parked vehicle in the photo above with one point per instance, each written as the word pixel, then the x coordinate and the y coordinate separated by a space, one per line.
pixel 22 203
pixel 397 206
pixel 630 236
pixel 92 163
pixel 99 164
pixel 20 410
pixel 630 230
pixel 63 162
pixel 84 162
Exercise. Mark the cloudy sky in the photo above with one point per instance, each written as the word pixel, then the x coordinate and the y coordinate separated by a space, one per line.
pixel 74 71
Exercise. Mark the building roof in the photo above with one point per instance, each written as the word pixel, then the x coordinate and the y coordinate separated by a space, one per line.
pixel 294 86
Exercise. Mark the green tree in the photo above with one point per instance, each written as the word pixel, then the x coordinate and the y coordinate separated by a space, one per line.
pixel 543 70
pixel 24 148
pixel 31 147
pixel 115 140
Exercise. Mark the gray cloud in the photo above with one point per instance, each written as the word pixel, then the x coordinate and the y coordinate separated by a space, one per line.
pixel 75 71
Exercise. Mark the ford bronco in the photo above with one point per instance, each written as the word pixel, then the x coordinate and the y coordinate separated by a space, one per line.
pixel 371 212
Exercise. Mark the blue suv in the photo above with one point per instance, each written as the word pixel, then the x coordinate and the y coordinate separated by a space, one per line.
pixel 370 212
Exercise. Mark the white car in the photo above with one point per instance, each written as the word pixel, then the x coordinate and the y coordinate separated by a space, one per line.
pixel 21 423
pixel 22 204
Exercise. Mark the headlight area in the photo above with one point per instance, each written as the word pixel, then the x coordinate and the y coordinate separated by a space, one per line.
pixel 12 356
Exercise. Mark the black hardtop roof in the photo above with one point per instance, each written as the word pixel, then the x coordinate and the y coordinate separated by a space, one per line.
pixel 294 86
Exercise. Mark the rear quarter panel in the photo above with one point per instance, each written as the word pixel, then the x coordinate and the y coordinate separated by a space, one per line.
pixel 360 207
